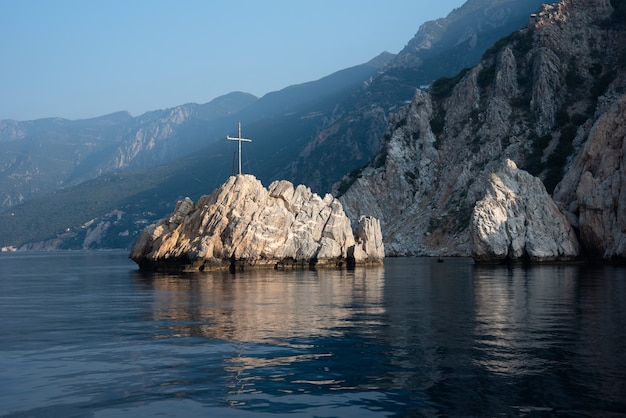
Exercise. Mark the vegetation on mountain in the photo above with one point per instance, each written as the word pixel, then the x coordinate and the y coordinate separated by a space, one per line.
pixel 443 86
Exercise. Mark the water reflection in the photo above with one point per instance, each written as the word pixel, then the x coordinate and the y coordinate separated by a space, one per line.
pixel 264 306
pixel 479 340
pixel 546 330
pixel 520 311
pixel 415 338
pixel 459 338
pixel 278 322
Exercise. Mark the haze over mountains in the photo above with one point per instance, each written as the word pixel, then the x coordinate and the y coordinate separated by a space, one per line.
pixel 93 183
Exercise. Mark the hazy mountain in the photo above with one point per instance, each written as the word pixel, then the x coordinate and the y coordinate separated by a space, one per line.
pixel 350 135
pixel 301 97
pixel 443 47
pixel 125 142
pixel 313 133
pixel 48 154
pixel 45 155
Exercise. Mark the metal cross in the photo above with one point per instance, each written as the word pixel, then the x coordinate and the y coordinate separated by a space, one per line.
pixel 239 139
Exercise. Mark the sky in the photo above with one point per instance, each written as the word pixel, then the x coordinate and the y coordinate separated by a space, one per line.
pixel 78 59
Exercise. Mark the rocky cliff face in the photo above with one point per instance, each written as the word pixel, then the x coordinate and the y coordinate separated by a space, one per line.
pixel 537 98
pixel 593 191
pixel 350 135
pixel 242 224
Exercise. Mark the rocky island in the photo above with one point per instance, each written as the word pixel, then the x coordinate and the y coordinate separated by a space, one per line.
pixel 243 225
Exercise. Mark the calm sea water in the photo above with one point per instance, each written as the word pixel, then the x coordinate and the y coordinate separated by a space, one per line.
pixel 87 335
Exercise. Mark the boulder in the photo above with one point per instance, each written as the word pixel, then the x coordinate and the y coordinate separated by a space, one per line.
pixel 243 225
pixel 517 220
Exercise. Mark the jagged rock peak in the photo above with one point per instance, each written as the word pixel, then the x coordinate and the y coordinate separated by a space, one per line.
pixel 242 225
pixel 518 220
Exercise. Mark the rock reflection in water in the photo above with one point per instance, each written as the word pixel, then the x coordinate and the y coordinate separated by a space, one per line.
pixel 265 305
pixel 519 313
pixel 275 319
pixel 87 335
pixel 541 329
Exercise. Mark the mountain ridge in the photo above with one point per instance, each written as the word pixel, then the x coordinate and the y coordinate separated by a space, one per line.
pixel 315 145
pixel 82 150
pixel 43 155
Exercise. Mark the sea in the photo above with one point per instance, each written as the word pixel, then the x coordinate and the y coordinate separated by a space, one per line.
pixel 86 334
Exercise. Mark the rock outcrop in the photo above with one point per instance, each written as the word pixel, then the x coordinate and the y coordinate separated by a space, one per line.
pixel 593 191
pixel 243 225
pixel 517 220
pixel 549 97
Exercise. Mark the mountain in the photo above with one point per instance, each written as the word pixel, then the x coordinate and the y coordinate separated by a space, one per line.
pixel 300 97
pixel 45 155
pixel 550 98
pixel 350 135
pixel 311 134
pixel 69 214
pixel 443 47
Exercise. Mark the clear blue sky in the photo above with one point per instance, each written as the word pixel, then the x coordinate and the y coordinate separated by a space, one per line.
pixel 85 58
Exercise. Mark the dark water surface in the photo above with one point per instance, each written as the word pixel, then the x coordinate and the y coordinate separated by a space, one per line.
pixel 87 335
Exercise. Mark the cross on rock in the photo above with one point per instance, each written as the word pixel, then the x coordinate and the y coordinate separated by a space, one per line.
pixel 239 139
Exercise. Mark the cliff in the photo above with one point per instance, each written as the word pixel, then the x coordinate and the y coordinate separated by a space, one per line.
pixel 593 191
pixel 549 98
pixel 351 132
pixel 243 225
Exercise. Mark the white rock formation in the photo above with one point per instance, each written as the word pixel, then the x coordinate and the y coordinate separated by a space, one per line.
pixel 242 224
pixel 517 219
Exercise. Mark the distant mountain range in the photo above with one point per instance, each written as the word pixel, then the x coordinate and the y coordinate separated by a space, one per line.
pixel 45 155
pixel 93 183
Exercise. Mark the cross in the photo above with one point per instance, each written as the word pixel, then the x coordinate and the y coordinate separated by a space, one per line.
pixel 239 138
